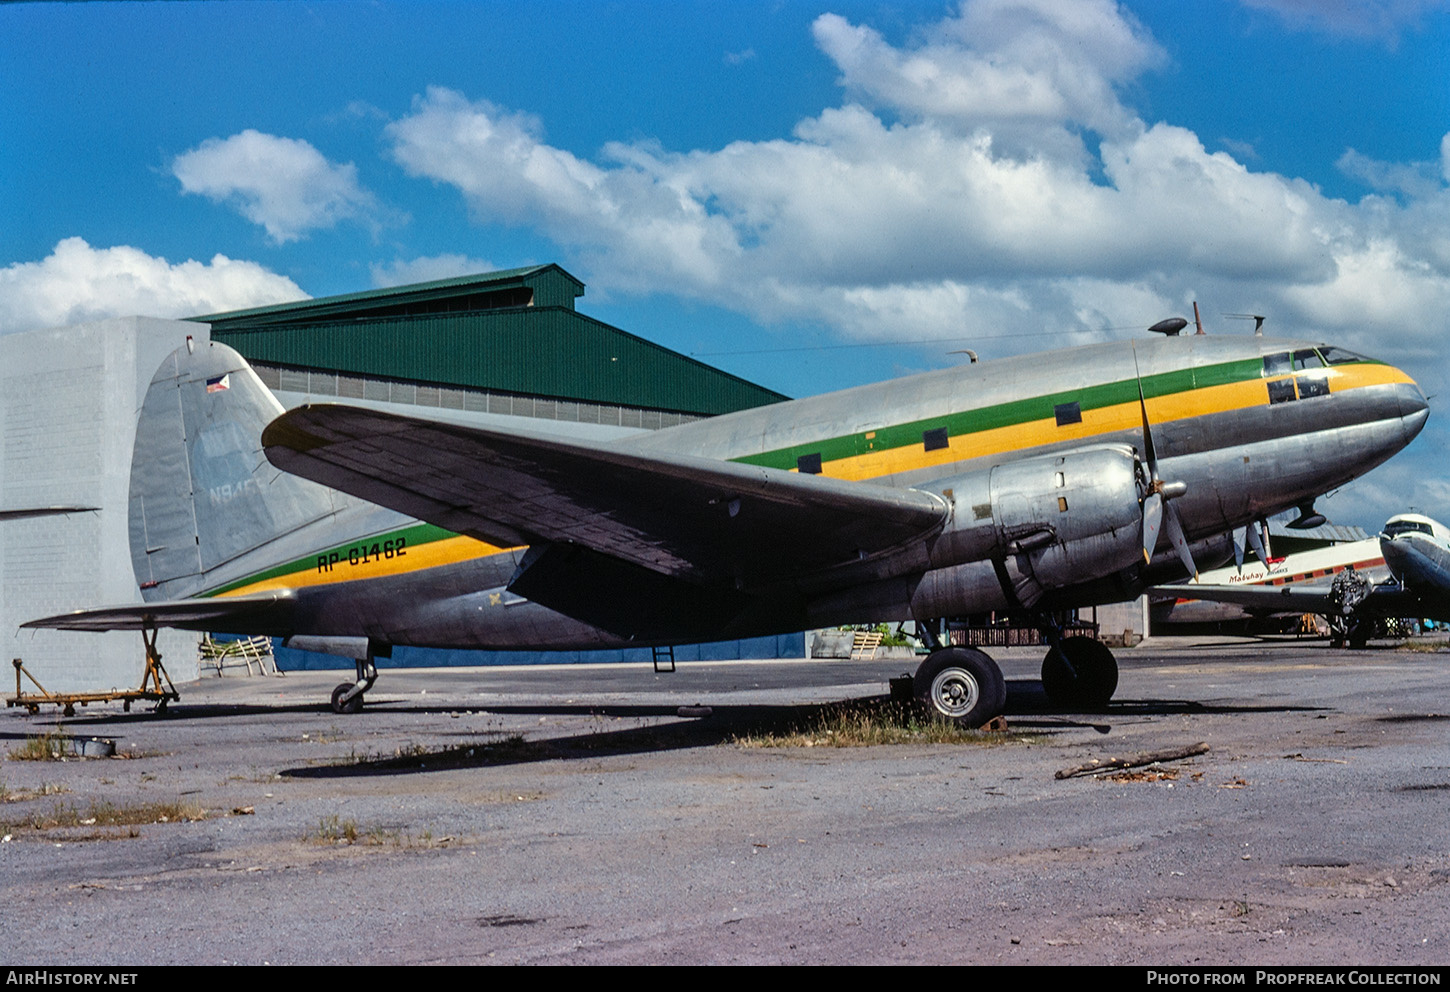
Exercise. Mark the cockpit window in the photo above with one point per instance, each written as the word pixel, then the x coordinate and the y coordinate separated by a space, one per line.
pixel 1280 364
pixel 1338 356
pixel 1307 359
pixel 1402 526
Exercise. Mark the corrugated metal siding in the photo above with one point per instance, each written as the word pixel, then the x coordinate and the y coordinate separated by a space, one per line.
pixel 545 351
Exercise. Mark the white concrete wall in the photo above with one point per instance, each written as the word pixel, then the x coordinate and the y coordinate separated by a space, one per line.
pixel 69 398
pixel 1115 618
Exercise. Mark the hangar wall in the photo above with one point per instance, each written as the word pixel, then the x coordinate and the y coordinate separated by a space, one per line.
pixel 69 398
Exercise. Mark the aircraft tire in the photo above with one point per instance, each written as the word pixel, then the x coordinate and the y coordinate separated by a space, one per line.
pixel 1080 672
pixel 962 685
pixel 353 705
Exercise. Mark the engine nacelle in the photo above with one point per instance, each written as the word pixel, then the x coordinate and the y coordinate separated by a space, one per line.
pixel 1035 525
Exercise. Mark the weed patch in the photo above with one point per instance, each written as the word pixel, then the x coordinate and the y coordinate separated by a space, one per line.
pixel 335 830
pixel 53 746
pixel 871 723
pixel 104 814
pixel 8 795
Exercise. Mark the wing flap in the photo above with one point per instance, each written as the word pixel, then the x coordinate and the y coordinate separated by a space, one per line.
pixel 694 518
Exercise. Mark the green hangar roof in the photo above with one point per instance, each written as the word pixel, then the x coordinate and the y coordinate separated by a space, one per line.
pixel 511 331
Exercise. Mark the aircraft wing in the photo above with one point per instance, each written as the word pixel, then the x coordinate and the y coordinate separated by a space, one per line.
pixel 698 519
pixel 1388 600
pixel 257 613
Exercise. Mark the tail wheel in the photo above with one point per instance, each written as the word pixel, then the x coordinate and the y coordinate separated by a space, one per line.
pixel 1080 672
pixel 962 685
pixel 353 705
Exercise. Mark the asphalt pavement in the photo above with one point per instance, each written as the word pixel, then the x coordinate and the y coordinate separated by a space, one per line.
pixel 570 815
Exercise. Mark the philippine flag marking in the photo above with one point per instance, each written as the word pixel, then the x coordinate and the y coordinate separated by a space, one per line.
pixel 218 384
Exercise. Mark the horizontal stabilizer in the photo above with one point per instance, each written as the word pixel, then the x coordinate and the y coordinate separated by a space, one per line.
pixel 703 520
pixel 255 614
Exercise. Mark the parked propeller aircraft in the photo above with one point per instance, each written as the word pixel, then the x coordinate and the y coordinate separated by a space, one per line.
pixel 1029 484
pixel 1410 560
pixel 1316 568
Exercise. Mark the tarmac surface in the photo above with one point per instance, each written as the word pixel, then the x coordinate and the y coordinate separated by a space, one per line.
pixel 568 815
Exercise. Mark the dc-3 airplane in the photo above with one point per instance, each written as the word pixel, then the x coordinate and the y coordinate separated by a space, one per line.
pixel 1412 567
pixel 1033 483
pixel 1316 568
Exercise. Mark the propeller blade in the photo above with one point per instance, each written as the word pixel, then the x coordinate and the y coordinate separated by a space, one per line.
pixel 1180 541
pixel 1149 455
pixel 1152 523
pixel 1256 540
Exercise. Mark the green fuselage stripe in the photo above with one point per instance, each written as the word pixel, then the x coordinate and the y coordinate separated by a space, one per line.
pixel 1012 413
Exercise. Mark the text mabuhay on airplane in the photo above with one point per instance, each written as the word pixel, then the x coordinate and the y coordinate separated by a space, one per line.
pixel 1031 484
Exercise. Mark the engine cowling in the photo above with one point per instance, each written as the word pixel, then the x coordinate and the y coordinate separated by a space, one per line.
pixel 1036 524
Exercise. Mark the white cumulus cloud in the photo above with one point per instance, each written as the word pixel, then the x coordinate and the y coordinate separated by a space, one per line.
pixel 77 283
pixel 987 176
pixel 284 184
pixel 426 269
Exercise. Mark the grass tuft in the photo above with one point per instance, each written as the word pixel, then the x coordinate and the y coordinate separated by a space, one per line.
pixel 104 814
pixel 53 746
pixel 871 723
pixel 9 795
pixel 335 830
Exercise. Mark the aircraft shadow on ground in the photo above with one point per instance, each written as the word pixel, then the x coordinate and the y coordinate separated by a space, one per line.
pixel 493 748
pixel 1028 709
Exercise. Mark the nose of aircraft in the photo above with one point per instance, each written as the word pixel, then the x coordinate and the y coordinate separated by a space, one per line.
pixel 1414 559
pixel 1414 408
pixel 1396 553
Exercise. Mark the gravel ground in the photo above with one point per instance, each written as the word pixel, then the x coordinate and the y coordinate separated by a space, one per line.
pixel 568 815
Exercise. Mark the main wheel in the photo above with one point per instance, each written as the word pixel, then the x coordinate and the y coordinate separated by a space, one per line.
pixel 962 685
pixel 353 705
pixel 1080 672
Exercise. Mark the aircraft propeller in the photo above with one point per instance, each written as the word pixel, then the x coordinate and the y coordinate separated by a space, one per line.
pixel 1158 509
pixel 1252 536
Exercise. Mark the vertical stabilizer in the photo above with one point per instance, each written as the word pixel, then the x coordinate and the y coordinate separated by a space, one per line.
pixel 205 503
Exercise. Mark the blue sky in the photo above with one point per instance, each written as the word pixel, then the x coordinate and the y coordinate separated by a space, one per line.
pixel 798 192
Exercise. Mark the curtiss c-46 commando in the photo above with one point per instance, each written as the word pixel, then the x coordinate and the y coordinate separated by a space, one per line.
pixel 1035 483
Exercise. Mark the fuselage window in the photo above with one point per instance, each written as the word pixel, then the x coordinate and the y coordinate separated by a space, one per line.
pixel 1281 391
pixel 1338 356
pixel 934 439
pixel 1068 413
pixel 1307 359
pixel 809 464
pixel 1400 527
pixel 1313 385
pixel 1280 364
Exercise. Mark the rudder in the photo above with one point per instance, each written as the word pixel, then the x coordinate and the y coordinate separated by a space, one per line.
pixel 204 500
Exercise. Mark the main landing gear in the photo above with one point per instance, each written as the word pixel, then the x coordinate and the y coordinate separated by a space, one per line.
pixel 966 686
pixel 962 685
pixel 1079 673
